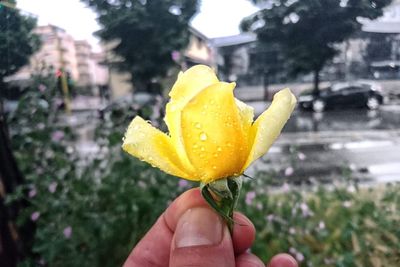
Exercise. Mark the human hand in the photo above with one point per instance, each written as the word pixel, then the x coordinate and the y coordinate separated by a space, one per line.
pixel 189 233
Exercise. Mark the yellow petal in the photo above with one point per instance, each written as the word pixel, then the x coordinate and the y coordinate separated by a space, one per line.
pixel 188 84
pixel 212 133
pixel 268 126
pixel 153 146
pixel 246 113
pixel 191 82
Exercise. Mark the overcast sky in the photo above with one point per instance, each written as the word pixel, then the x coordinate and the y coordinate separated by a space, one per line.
pixel 216 18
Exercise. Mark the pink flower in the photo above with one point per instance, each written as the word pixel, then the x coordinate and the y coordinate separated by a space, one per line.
pixel 301 156
pixel 299 257
pixel 305 210
pixel 142 184
pixel 270 217
pixel 250 197
pixel 57 136
pixel 347 204
pixel 32 193
pixel 289 171
pixel 59 102
pixel 53 187
pixel 351 189
pixel 285 187
pixel 176 56
pixel 42 88
pixel 35 216
pixel 67 232
pixel 183 183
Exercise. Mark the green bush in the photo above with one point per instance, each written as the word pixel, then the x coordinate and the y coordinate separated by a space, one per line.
pixel 341 225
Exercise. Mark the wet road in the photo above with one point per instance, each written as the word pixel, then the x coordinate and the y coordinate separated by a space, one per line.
pixel 368 156
pixel 386 118
pixel 325 146
pixel 320 146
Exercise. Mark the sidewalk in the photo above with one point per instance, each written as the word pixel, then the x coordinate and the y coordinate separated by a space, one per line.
pixel 328 137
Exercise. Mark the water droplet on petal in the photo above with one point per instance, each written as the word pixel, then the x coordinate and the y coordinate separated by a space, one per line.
pixel 219 148
pixel 202 148
pixel 203 136
pixel 214 167
pixel 197 125
pixel 172 108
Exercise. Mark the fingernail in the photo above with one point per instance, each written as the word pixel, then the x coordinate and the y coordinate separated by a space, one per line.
pixel 198 227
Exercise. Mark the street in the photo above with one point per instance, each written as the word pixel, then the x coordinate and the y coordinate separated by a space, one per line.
pixel 318 146
pixel 322 146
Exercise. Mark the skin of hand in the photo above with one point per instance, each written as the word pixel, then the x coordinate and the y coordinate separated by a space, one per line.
pixel 189 233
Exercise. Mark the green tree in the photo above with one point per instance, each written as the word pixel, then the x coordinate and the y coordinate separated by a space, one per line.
pixel 17 41
pixel 308 30
pixel 146 33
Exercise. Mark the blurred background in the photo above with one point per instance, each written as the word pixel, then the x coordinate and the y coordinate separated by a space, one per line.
pixel 74 73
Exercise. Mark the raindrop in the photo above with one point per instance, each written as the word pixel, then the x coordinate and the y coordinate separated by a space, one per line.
pixel 172 108
pixel 150 158
pixel 175 10
pixel 203 136
pixel 215 155
pixel 214 167
pixel 195 146
pixel 219 148
pixel 202 148
pixel 197 125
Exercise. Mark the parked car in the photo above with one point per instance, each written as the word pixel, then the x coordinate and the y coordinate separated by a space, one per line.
pixel 343 95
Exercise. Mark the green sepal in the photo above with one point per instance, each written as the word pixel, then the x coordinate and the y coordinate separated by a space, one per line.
pixel 222 195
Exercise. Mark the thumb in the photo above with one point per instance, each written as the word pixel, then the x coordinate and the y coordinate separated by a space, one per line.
pixel 201 238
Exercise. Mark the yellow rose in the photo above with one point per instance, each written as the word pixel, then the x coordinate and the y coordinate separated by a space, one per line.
pixel 211 134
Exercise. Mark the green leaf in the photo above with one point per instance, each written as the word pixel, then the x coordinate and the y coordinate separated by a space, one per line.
pixel 222 195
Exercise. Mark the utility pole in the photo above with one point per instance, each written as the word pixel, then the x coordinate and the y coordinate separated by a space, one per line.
pixel 64 83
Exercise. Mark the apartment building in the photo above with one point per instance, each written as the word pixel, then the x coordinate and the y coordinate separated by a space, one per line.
pixel 59 50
